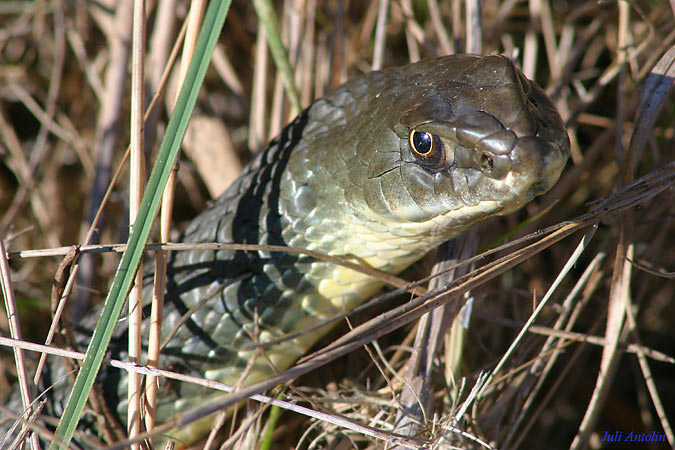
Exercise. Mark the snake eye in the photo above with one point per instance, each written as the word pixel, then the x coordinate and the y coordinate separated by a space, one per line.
pixel 426 147
pixel 421 142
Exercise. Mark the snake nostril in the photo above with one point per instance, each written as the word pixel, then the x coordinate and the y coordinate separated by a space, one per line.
pixel 486 162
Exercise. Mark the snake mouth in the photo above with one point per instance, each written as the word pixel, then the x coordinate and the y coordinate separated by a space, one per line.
pixel 511 172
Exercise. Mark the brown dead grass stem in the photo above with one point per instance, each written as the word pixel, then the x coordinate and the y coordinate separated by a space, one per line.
pixel 65 106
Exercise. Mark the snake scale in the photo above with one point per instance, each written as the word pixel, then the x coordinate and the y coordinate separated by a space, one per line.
pixel 380 171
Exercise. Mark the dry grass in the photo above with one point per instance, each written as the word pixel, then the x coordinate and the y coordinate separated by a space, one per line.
pixel 597 358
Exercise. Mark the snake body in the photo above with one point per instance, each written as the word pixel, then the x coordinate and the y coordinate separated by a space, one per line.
pixel 380 171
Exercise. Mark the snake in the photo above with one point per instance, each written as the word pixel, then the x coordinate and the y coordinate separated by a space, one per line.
pixel 379 172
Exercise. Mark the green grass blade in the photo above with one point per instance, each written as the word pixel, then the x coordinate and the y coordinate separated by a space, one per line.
pixel 213 23
pixel 267 16
pixel 275 413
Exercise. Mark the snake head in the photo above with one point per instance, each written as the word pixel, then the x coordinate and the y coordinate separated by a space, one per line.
pixel 464 138
pixel 424 151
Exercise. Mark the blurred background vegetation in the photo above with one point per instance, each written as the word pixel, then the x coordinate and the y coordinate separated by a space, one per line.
pixel 64 127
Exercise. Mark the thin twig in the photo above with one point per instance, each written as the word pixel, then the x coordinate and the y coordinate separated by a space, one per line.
pixel 107 128
pixel 649 378
pixel 447 46
pixel 380 34
pixel 92 227
pixel 412 310
pixel 563 272
pixel 211 384
pixel 197 9
pixel 120 248
pixel 136 187
pixel 257 119
pixel 15 332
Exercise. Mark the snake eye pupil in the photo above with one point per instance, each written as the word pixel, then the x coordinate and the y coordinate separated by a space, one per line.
pixel 421 142
pixel 427 148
